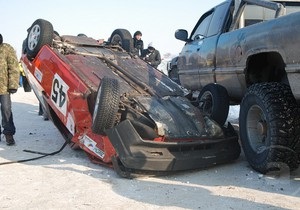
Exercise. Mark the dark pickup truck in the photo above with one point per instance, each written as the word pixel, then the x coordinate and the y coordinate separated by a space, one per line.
pixel 247 52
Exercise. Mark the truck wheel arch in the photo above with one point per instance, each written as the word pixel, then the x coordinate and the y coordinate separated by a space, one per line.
pixel 265 67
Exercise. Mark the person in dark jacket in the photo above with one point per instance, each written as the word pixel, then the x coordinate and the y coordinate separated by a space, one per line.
pixel 151 56
pixel 138 43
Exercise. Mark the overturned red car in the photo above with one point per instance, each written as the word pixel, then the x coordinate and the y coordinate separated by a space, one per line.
pixel 117 108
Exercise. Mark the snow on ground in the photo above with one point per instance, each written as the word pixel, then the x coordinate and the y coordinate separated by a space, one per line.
pixel 233 115
pixel 69 180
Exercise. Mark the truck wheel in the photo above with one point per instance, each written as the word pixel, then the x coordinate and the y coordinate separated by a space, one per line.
pixel 40 34
pixel 268 122
pixel 123 38
pixel 106 105
pixel 214 102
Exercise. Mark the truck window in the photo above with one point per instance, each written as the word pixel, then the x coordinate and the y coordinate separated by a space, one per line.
pixel 217 19
pixel 291 6
pixel 210 23
pixel 255 14
pixel 202 26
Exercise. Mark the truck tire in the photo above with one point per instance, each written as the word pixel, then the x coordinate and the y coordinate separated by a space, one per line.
pixel 106 105
pixel 214 102
pixel 40 34
pixel 269 121
pixel 123 38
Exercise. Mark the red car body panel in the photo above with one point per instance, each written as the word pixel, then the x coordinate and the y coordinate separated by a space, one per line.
pixel 54 78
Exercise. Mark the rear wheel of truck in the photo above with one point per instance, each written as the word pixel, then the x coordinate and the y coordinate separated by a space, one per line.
pixel 106 105
pixel 269 127
pixel 123 38
pixel 40 34
pixel 214 102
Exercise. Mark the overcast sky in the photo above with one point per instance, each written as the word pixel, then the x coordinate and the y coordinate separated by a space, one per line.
pixel 157 19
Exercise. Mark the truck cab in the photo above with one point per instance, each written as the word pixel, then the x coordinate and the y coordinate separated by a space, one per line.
pixel 201 63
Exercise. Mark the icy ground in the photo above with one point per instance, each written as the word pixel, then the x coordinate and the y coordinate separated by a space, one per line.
pixel 69 180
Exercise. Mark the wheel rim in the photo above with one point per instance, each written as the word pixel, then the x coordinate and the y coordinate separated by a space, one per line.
pixel 34 37
pixel 116 39
pixel 257 129
pixel 206 103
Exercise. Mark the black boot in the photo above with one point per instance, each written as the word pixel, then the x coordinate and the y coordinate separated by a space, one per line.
pixel 9 140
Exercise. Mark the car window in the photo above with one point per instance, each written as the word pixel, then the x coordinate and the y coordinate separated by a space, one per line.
pixel 202 27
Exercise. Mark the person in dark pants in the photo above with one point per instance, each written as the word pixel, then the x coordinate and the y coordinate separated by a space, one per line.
pixel 9 83
pixel 138 43
pixel 151 56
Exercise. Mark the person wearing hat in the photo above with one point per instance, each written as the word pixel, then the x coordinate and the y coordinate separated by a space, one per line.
pixel 138 43
pixel 151 56
pixel 9 83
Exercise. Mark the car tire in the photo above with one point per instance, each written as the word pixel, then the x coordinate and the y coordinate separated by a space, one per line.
pixel 214 102
pixel 39 34
pixel 123 38
pixel 269 121
pixel 106 105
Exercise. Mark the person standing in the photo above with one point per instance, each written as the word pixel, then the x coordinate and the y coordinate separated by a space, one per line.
pixel 151 56
pixel 9 83
pixel 138 43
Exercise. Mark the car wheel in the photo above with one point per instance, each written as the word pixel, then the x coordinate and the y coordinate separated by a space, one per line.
pixel 123 38
pixel 214 102
pixel 39 34
pixel 106 105
pixel 269 121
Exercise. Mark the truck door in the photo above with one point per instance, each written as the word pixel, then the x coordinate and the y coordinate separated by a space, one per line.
pixel 196 63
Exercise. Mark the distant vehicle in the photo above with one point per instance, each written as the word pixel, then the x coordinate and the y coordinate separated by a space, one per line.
pixel 121 111
pixel 247 52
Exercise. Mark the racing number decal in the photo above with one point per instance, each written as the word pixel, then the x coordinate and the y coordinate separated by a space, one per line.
pixel 59 94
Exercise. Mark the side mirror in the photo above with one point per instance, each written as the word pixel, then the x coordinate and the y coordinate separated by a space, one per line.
pixel 181 34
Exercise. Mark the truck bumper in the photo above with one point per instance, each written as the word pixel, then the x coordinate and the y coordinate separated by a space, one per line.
pixel 137 155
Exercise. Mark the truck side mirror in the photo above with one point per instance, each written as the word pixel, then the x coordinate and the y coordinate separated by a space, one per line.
pixel 181 34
